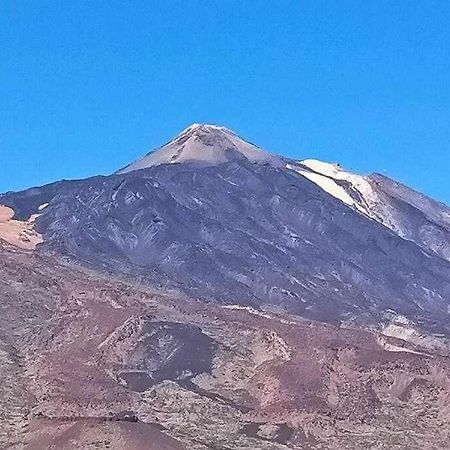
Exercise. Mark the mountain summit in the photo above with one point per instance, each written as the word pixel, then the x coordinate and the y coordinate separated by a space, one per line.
pixel 205 144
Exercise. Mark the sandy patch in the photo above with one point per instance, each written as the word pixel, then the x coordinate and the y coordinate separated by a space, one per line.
pixel 16 232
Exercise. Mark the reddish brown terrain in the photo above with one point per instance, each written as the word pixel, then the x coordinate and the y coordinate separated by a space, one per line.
pixel 90 361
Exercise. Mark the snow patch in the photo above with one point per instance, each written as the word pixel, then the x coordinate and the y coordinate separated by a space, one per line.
pixel 357 192
pixel 327 184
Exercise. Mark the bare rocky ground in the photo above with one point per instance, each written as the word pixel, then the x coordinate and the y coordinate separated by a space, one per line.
pixel 90 361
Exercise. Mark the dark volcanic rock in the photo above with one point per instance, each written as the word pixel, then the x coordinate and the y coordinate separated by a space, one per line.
pixel 246 233
pixel 167 351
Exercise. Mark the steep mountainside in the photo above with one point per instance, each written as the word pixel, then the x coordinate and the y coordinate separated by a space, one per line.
pixel 227 221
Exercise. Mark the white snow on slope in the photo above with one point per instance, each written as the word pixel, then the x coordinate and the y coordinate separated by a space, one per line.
pixel 356 191
pixel 327 184
pixel 357 182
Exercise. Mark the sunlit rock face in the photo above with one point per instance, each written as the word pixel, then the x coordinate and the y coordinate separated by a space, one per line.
pixel 205 145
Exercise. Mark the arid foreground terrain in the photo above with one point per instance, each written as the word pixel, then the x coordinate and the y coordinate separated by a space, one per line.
pixel 90 361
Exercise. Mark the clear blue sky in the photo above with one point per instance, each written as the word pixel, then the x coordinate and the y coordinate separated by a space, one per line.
pixel 87 86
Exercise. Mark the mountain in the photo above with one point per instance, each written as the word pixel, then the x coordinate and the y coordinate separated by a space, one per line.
pixel 293 304
pixel 220 219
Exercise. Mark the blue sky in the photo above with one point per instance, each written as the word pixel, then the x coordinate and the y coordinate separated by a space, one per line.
pixel 87 86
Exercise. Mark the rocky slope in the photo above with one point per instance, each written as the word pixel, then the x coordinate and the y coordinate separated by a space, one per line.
pixel 89 361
